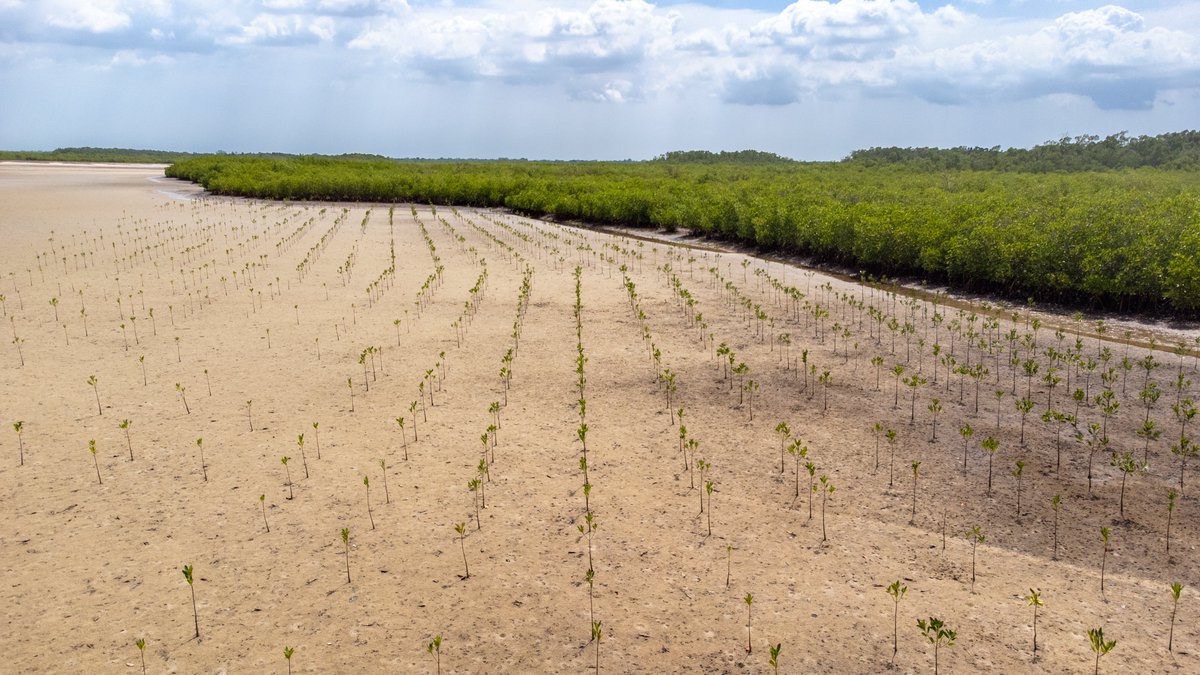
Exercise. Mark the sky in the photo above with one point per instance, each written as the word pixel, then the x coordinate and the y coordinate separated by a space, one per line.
pixel 590 79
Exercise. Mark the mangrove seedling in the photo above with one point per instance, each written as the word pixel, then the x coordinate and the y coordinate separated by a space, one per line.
pixel 317 438
pixel 303 459
pixel 287 654
pixel 597 633
pixel 1127 465
pixel 18 426
pixel 1171 497
pixel 203 464
pixel 1017 472
pixel 403 436
pixel 367 484
pixel 936 632
pixel 92 449
pixel 827 490
pixel 976 537
pixel 1099 646
pixel 250 414
pixel 990 444
pixel 897 592
pixel 461 529
pixel 784 431
pixel 1104 532
pixel 183 395
pixel 774 661
pixel 1176 589
pixel 916 466
pixel 187 575
pixel 262 501
pixel 435 649
pixel 708 487
pixel 95 390
pixel 387 496
pixel 284 460
pixel 1056 502
pixel 891 439
pixel 124 426
pixel 1034 599
pixel 749 600
pixel 346 544
pixel 141 645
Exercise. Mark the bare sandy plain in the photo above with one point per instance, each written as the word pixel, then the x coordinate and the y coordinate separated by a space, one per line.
pixel 276 303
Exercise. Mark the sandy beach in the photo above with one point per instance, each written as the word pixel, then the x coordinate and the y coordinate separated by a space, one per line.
pixel 232 327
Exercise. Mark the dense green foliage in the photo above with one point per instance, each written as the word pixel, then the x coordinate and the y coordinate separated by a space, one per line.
pixel 110 155
pixel 1179 150
pixel 1127 240
pixel 128 156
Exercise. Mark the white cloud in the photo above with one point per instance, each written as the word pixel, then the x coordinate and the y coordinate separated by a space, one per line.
pixel 95 17
pixel 282 29
pixel 623 50
pixel 1106 54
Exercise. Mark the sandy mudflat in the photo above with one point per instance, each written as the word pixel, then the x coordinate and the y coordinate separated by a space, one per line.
pixel 87 568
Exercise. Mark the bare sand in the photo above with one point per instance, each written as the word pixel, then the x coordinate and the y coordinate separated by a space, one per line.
pixel 89 567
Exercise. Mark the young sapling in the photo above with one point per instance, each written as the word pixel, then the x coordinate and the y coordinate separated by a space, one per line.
pixel 141 645
pixel 749 600
pixel 936 632
pixel 387 496
pixel 597 634
pixel 183 395
pixel 976 537
pixel 18 427
pixel 1176 589
pixel 124 426
pixel 1099 646
pixel 1056 502
pixel 1171 497
pixel 403 436
pixel 95 390
pixel 827 490
pixel 461 529
pixel 303 459
pixel 708 487
pixel 92 449
pixel 897 592
pixel 346 544
pixel 1104 532
pixel 187 575
pixel 1034 599
pixel 435 649
pixel 916 470
pixel 284 460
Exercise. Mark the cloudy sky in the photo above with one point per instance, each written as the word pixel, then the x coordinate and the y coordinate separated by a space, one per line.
pixel 590 79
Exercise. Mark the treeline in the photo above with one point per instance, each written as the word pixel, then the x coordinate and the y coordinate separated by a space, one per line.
pixel 107 155
pixel 131 156
pixel 1179 150
pixel 1119 240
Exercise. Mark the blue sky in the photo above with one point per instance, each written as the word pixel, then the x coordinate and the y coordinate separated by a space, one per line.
pixel 590 79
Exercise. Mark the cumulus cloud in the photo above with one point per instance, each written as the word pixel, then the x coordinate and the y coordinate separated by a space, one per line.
pixel 1107 54
pixel 608 34
pixel 622 50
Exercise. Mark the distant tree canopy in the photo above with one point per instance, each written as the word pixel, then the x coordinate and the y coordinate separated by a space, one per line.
pixel 1126 240
pixel 723 157
pixel 111 155
pixel 1179 150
